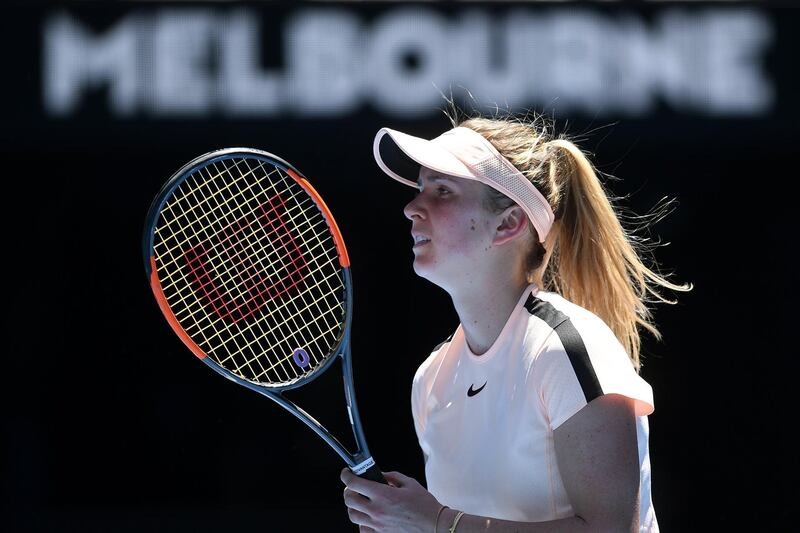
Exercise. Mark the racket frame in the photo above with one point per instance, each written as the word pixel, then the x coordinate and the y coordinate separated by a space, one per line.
pixel 360 461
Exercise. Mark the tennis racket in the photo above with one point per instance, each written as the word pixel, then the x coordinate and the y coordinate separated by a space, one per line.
pixel 249 268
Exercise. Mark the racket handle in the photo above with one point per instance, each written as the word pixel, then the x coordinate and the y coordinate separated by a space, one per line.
pixel 373 473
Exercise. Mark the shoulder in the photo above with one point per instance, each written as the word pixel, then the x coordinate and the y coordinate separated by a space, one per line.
pixel 571 325
pixel 580 349
pixel 438 351
pixel 442 344
pixel 554 310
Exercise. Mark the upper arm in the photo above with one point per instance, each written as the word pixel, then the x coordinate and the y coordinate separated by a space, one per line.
pixel 598 459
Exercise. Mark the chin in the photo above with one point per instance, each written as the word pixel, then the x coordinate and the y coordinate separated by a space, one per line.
pixel 419 270
pixel 422 270
pixel 426 272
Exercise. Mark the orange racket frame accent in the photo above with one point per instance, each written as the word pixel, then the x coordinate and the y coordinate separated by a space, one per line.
pixel 344 259
pixel 359 461
pixel 155 283
pixel 162 303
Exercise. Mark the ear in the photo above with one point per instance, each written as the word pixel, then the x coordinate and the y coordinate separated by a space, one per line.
pixel 512 222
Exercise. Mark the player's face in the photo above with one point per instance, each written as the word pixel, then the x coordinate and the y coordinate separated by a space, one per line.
pixel 451 228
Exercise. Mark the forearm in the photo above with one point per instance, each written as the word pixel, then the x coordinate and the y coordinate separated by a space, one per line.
pixel 474 524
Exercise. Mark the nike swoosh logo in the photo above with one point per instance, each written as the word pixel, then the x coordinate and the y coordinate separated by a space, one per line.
pixel 472 392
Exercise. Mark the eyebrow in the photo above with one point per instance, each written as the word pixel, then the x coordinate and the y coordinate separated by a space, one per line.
pixel 436 178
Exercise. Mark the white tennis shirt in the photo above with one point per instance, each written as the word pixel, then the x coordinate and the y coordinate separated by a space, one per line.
pixel 486 422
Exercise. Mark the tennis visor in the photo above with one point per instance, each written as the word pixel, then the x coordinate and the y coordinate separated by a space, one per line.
pixel 463 153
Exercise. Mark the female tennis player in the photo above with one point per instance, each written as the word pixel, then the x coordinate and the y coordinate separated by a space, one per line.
pixel 532 415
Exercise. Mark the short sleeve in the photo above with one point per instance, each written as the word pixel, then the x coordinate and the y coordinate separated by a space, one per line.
pixel 420 388
pixel 416 401
pixel 575 366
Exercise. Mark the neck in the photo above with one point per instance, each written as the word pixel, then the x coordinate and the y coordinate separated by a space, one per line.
pixel 484 313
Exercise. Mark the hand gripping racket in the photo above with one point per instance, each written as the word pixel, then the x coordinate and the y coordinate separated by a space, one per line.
pixel 250 270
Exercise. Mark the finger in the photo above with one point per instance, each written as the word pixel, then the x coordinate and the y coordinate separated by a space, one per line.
pixel 359 518
pixel 354 500
pixel 347 475
pixel 396 478
pixel 365 529
pixel 368 488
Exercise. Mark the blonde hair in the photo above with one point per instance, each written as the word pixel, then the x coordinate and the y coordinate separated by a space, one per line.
pixel 588 257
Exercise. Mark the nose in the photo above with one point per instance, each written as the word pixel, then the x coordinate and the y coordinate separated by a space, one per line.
pixel 413 209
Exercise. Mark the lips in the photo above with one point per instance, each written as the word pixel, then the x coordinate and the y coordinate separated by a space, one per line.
pixel 420 239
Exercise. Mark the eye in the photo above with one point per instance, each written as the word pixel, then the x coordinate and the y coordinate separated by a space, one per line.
pixel 442 191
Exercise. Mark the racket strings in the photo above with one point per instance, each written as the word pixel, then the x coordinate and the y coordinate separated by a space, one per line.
pixel 287 274
pixel 296 328
pixel 322 316
pixel 239 368
pixel 251 365
pixel 190 198
pixel 251 271
pixel 272 257
pixel 305 205
pixel 195 210
pixel 201 208
pixel 207 343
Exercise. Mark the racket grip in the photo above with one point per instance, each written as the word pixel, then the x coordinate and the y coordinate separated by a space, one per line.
pixel 373 473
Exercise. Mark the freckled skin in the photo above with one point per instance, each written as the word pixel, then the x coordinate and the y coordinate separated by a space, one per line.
pixel 451 212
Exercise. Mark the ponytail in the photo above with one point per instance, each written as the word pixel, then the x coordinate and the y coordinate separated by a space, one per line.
pixel 595 263
pixel 588 257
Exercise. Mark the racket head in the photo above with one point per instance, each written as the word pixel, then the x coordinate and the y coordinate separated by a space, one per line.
pixel 249 268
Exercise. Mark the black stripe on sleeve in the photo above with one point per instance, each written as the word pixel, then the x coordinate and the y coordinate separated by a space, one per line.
pixel 573 344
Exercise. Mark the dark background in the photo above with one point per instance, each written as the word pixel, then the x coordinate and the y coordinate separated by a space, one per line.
pixel 109 424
